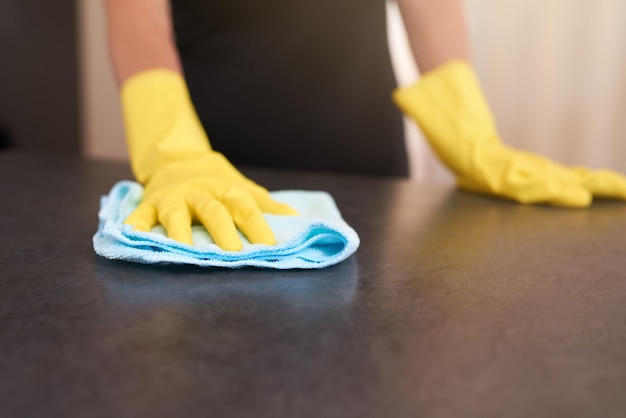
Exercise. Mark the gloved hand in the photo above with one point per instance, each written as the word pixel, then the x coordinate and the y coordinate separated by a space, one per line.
pixel 449 106
pixel 184 178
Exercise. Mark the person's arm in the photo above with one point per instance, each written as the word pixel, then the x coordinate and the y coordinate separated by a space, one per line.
pixel 449 105
pixel 184 178
pixel 436 31
pixel 140 37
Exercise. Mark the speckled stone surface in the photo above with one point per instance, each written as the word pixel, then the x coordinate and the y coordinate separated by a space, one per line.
pixel 454 306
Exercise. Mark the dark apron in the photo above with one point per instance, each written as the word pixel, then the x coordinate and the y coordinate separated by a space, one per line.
pixel 292 83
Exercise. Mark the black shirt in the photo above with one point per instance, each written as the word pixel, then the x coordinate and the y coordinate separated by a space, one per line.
pixel 300 84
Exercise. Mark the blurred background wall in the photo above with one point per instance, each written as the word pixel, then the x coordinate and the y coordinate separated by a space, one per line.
pixel 554 72
pixel 38 72
pixel 103 131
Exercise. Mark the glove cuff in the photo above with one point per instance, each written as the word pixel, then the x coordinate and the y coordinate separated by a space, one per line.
pixel 160 120
pixel 449 106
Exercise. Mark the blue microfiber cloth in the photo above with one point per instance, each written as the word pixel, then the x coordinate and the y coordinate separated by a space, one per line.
pixel 316 239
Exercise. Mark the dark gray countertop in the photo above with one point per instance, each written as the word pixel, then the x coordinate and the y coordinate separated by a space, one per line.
pixel 454 306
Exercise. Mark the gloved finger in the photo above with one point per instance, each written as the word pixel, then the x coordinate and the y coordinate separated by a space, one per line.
pixel 557 193
pixel 269 205
pixel 527 182
pixel 175 217
pixel 217 221
pixel 570 196
pixel 247 216
pixel 266 203
pixel 565 190
pixel 604 183
pixel 143 218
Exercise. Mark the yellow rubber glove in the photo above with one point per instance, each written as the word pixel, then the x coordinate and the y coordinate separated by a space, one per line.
pixel 184 179
pixel 449 106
